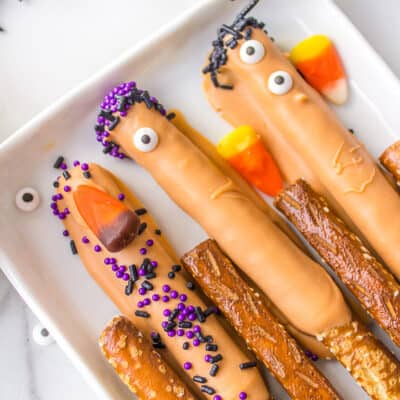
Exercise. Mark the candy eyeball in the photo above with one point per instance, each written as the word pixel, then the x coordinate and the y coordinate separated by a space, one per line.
pixel 280 82
pixel 145 139
pixel 252 51
pixel 27 199
pixel 41 335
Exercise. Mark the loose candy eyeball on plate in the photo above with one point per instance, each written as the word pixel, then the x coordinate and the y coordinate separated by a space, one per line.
pixel 41 335
pixel 27 199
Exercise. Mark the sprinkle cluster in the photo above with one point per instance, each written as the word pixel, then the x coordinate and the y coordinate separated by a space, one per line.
pixel 115 105
pixel 239 29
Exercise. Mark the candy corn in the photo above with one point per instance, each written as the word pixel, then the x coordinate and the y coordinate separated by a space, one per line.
pixel 245 151
pixel 111 221
pixel 318 60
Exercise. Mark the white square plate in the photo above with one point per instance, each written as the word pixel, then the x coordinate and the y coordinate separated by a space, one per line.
pixel 33 253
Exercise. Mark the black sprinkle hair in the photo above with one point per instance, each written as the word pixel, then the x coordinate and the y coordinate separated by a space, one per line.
pixel 240 28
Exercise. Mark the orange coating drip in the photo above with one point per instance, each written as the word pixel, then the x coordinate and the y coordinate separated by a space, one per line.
pixel 324 69
pixel 257 166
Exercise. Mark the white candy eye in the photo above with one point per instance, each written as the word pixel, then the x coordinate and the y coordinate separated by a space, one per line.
pixel 145 139
pixel 252 51
pixel 41 335
pixel 27 199
pixel 280 82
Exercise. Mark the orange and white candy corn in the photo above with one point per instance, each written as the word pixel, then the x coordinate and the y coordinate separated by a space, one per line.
pixel 319 62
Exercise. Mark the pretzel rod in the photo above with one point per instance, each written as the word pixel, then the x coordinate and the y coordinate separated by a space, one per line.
pixel 375 287
pixel 138 365
pixel 390 158
pixel 145 281
pixel 302 133
pixel 375 369
pixel 251 318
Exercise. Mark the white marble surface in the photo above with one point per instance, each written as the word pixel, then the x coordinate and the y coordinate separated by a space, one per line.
pixel 39 65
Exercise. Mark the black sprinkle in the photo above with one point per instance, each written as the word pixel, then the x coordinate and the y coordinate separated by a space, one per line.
pixel 147 285
pixel 200 315
pixel 140 211
pixel 190 285
pixel 151 275
pixel 214 369
pixel 209 339
pixel 207 389
pixel 185 324
pixel 56 184
pixel 199 379
pixel 176 268
pixel 173 315
pixel 156 338
pixel 66 175
pixel 157 232
pixel 142 228
pixel 87 174
pixel 171 275
pixel 129 287
pixel 249 364
pixel 99 128
pixel 272 39
pixel 113 124
pixel 74 250
pixel 146 99
pixel 159 345
pixel 171 115
pixel 145 265
pixel 142 314
pixel 209 311
pixel 201 337
pixel 107 149
pixel 171 325
pixel 185 345
pixel 58 162
pixel 351 131
pixel 211 347
pixel 216 359
pixel 122 103
pixel 133 272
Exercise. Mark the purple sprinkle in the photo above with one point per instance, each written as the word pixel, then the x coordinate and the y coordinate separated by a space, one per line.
pixel 85 240
pixel 126 277
pixel 164 324
pixel 174 294
pixel 181 306
pixel 114 267
pixel 113 260
pixel 65 233
pixel 123 113
pixel 217 397
pixel 146 301
pixel 54 197
pixel 207 358
pixel 196 342
pixel 140 304
pixel 121 156
pixel 76 163
pixel 97 248
pixel 181 317
pixel 119 274
pixel 56 212
pixel 61 215
pixel 187 365
pixel 63 166
pixel 154 264
pixel 66 211
pixel 192 317
pixel 180 332
pixel 142 272
pixel 100 119
pixel 166 288
pixel 155 297
pixel 183 297
pixel 84 167
pixel 242 395
pixel 122 268
pixel 121 196
pixel 150 242
pixel 53 206
pixel 172 333
pixel 308 353
pixel 189 334
pixel 314 357
pixel 196 329
pixel 67 188
pixel 143 251
pixel 167 312
pixel 191 309
pixel 107 260
pixel 142 291
pixel 59 196
pixel 165 299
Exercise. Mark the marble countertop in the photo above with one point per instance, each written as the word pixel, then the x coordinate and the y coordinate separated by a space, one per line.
pixel 36 68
